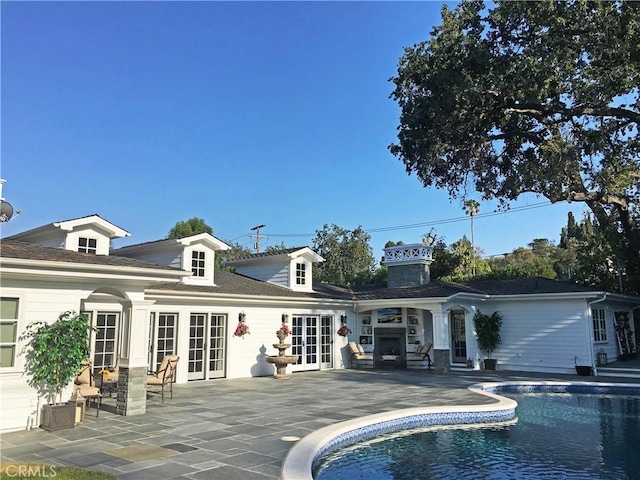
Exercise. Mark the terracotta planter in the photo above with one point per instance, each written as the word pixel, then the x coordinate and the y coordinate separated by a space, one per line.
pixel 490 364
pixel 58 417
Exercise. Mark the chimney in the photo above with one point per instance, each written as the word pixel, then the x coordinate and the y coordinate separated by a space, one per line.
pixel 408 265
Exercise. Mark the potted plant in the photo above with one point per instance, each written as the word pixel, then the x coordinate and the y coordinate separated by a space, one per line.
pixel 55 357
pixel 582 370
pixel 488 335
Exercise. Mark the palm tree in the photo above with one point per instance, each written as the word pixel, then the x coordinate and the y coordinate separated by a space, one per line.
pixel 471 207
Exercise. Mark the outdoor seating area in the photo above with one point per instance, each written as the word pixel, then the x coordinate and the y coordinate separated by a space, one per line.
pixel 164 376
pixel 359 359
pixel 84 385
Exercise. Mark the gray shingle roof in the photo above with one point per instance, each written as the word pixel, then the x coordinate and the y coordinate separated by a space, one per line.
pixel 30 251
pixel 236 284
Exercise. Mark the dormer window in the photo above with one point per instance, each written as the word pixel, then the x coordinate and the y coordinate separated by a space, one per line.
pixel 87 245
pixel 301 274
pixel 197 263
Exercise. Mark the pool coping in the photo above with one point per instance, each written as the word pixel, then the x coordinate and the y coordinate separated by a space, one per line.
pixel 299 462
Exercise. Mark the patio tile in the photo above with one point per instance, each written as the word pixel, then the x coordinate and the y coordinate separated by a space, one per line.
pixel 138 453
pixel 240 435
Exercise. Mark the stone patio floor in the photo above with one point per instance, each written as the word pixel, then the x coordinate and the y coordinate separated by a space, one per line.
pixel 237 429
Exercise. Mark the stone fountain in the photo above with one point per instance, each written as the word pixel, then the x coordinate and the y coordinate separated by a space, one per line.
pixel 282 360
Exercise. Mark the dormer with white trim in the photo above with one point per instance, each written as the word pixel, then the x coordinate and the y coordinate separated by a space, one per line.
pixel 91 234
pixel 291 268
pixel 195 254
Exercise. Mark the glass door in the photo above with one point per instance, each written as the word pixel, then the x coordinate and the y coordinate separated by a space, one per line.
pixel 207 346
pixel 305 343
pixel 106 340
pixel 458 337
pixel 326 341
pixel 163 337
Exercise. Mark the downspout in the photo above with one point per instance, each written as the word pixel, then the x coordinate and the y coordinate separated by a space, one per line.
pixel 594 364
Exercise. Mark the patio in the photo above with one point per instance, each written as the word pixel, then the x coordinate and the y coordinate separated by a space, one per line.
pixel 241 429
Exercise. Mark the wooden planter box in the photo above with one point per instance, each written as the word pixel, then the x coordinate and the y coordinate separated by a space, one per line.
pixel 58 417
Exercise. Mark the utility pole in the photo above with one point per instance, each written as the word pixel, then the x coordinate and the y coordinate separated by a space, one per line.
pixel 258 236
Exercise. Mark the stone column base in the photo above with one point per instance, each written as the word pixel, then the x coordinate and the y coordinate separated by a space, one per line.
pixel 132 391
pixel 441 362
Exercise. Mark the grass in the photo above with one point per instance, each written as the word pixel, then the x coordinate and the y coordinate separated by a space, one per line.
pixel 41 470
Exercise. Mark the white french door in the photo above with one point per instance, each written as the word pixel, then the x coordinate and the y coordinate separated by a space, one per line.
pixel 458 337
pixel 164 328
pixel 207 346
pixel 106 340
pixel 311 340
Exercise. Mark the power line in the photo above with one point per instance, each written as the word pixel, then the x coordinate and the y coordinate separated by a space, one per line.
pixel 431 223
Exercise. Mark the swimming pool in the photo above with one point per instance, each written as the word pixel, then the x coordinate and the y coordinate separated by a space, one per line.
pixel 308 453
pixel 568 436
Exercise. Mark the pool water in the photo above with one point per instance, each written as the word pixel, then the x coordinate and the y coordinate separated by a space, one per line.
pixel 556 436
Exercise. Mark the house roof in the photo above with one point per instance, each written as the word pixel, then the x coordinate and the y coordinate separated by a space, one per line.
pixel 237 284
pixel 273 254
pixel 112 229
pixel 213 242
pixel 30 251
pixel 523 286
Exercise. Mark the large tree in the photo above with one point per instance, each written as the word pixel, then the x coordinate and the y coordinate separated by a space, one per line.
pixel 347 253
pixel 193 226
pixel 537 97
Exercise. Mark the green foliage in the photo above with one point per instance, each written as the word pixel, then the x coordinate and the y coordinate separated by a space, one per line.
pixel 234 253
pixel 488 331
pixel 347 253
pixel 193 226
pixel 57 352
pixel 537 97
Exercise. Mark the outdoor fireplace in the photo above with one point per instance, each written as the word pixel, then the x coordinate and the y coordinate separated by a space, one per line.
pixel 389 342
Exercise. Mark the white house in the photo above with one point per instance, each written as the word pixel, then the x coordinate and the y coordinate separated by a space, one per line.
pixel 165 297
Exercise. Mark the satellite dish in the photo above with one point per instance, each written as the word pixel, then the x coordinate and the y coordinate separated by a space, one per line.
pixel 6 211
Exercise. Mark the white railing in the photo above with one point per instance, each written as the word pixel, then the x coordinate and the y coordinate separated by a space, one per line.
pixel 414 253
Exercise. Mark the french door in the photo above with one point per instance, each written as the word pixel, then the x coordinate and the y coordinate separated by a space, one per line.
pixel 207 346
pixel 106 340
pixel 458 337
pixel 312 341
pixel 164 328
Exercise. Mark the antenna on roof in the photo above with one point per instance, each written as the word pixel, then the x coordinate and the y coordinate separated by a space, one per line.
pixel 6 209
pixel 258 236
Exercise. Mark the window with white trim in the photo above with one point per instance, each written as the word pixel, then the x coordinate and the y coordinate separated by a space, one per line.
pixel 8 331
pixel 599 325
pixel 197 263
pixel 301 274
pixel 87 245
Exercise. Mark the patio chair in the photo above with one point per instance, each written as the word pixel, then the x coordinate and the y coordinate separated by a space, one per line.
pixel 422 354
pixel 164 375
pixel 84 386
pixel 358 355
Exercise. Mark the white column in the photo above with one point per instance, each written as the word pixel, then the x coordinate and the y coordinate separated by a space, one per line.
pixel 440 330
pixel 135 333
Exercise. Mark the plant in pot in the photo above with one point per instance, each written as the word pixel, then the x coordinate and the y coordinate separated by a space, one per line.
pixel 55 357
pixel 488 335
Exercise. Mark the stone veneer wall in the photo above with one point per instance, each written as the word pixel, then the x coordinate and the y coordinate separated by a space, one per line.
pixel 408 275
pixel 441 361
pixel 132 391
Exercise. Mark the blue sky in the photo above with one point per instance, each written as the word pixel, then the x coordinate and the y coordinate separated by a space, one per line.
pixel 241 113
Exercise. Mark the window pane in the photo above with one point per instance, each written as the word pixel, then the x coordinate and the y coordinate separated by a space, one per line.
pixel 8 332
pixel 7 355
pixel 9 308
